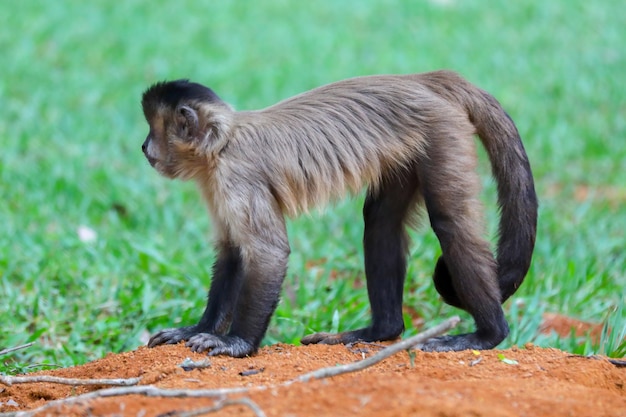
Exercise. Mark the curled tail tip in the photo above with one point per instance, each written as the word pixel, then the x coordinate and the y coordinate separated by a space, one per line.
pixel 443 284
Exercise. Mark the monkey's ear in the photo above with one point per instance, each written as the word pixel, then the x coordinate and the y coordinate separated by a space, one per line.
pixel 187 122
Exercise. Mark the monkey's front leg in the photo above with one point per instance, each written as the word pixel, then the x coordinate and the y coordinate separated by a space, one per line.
pixel 263 275
pixel 225 287
pixel 249 275
pixel 258 230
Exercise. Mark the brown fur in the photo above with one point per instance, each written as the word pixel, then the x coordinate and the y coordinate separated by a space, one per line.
pixel 398 135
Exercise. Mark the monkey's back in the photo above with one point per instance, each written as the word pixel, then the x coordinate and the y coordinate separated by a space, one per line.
pixel 338 138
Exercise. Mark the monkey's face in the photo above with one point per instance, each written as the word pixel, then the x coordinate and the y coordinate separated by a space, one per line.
pixel 172 143
pixel 188 128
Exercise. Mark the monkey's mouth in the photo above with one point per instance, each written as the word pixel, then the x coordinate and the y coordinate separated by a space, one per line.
pixel 151 160
pixel 160 166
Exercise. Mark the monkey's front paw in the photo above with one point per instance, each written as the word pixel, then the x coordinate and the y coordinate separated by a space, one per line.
pixel 172 336
pixel 221 345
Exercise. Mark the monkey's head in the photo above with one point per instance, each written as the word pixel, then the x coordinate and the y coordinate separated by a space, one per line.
pixel 188 122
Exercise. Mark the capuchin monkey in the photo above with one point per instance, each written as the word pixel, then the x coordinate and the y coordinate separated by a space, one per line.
pixel 407 138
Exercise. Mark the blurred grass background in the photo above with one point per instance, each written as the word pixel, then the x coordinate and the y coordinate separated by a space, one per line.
pixel 97 251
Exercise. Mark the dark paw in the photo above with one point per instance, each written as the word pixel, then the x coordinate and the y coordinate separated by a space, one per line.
pixel 366 334
pixel 172 336
pixel 220 345
pixel 323 339
pixel 456 343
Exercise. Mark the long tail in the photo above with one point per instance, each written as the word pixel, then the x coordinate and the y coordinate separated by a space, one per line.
pixel 517 199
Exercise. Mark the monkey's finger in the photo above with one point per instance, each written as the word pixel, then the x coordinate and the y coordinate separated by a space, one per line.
pixel 171 336
pixel 202 342
pixel 236 349
pixel 163 337
pixel 220 345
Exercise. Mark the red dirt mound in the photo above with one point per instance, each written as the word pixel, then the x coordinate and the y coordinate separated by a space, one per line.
pixel 516 382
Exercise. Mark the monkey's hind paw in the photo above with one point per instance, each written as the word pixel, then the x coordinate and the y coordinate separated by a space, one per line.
pixel 221 345
pixel 172 336
pixel 366 334
pixel 322 339
pixel 360 335
pixel 456 343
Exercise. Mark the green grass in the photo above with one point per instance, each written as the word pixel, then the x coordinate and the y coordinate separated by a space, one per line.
pixel 71 75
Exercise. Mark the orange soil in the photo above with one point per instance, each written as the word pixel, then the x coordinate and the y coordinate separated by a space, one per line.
pixel 544 382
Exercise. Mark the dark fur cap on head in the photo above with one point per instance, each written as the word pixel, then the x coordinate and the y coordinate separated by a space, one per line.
pixel 171 93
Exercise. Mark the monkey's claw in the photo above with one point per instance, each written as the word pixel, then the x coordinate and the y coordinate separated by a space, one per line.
pixel 172 336
pixel 221 345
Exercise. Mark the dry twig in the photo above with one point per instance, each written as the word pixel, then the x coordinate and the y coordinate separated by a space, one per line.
pixel 219 405
pixel 10 380
pixel 13 349
pixel 147 390
pixel 383 354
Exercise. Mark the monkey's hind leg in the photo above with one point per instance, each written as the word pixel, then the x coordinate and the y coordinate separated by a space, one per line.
pixel 451 191
pixel 385 242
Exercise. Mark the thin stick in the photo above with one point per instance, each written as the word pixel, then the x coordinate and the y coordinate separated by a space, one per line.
pixel 13 349
pixel 219 405
pixel 383 354
pixel 146 390
pixel 10 380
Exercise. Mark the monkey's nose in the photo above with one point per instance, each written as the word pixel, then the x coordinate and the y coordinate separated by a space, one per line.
pixel 143 147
